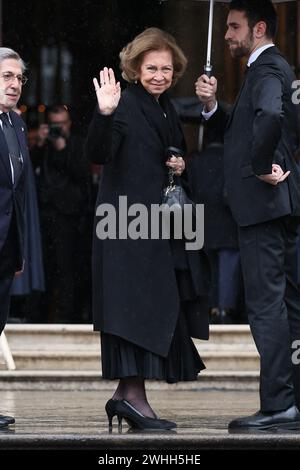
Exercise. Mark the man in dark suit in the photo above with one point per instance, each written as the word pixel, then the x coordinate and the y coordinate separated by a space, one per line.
pixel 13 162
pixel 263 186
pixel 64 190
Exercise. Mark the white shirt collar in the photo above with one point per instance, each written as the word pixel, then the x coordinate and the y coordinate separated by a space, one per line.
pixel 257 53
pixel 1 112
pixel 11 165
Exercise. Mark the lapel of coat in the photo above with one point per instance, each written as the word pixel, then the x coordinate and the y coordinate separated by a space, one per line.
pixel 261 58
pixel 21 136
pixel 153 114
pixel 165 128
pixel 236 103
pixel 4 155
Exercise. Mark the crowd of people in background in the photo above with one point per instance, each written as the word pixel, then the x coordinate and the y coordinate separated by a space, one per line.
pixel 62 187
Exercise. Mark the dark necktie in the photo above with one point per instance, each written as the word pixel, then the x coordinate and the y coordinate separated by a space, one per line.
pixel 12 144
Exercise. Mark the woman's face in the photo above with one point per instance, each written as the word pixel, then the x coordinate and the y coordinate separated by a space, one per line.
pixel 156 72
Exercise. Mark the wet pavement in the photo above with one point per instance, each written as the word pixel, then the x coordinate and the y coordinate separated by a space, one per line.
pixel 76 420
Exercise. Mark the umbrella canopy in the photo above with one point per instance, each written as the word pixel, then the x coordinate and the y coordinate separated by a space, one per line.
pixel 208 66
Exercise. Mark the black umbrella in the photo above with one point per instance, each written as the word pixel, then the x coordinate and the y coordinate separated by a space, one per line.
pixel 208 66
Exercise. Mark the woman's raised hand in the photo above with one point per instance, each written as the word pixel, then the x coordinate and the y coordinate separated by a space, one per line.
pixel 108 91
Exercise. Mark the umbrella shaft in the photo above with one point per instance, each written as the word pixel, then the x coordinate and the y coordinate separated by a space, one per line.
pixel 210 30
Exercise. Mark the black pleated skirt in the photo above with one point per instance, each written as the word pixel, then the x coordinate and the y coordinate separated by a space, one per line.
pixel 121 358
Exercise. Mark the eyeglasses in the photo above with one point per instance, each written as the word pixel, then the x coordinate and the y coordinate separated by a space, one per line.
pixel 9 77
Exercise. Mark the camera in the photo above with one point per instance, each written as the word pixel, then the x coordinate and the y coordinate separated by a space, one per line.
pixel 55 131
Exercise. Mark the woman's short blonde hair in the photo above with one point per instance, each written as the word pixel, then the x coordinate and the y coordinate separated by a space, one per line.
pixel 152 39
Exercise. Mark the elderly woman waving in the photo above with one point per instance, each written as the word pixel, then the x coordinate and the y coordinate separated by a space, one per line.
pixel 149 293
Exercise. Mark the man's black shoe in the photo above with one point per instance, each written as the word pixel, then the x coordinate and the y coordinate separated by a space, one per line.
pixel 265 420
pixel 6 420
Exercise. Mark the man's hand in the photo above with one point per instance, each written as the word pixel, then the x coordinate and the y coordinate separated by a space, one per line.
pixel 206 89
pixel 42 134
pixel 59 143
pixel 277 175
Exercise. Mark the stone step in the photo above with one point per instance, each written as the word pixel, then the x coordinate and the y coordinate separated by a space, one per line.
pixel 86 360
pixel 54 336
pixel 91 380
pixel 77 347
pixel 83 337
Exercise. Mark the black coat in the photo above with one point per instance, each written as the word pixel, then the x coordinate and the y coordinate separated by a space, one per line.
pixel 263 128
pixel 12 197
pixel 206 177
pixel 32 278
pixel 134 284
pixel 64 182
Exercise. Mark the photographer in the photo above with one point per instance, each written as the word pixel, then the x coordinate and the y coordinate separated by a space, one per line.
pixel 64 179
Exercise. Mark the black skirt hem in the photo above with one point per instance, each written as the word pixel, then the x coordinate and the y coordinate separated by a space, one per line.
pixel 158 378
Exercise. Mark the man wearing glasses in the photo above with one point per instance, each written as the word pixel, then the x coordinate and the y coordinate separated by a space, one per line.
pixel 13 162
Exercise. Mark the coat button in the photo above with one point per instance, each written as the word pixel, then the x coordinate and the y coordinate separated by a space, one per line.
pixel 7 212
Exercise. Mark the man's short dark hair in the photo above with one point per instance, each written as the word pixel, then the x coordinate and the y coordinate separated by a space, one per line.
pixel 58 108
pixel 258 10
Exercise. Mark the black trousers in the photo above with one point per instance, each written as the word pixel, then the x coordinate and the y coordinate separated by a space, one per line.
pixel 269 263
pixel 226 278
pixel 8 263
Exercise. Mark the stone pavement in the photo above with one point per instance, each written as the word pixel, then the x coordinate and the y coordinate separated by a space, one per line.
pixel 61 419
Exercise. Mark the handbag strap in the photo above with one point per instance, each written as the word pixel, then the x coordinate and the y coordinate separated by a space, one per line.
pixel 171 174
pixel 171 185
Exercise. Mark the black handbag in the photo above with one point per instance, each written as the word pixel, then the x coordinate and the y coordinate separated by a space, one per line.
pixel 174 194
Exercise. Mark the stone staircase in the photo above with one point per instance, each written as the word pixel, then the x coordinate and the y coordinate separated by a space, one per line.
pixel 72 353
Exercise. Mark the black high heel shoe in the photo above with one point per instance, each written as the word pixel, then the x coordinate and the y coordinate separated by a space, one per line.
pixel 137 420
pixel 111 411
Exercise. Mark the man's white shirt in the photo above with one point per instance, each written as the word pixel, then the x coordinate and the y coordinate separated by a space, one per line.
pixel 252 58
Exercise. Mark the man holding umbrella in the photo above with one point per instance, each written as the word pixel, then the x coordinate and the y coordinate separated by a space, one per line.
pixel 263 185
